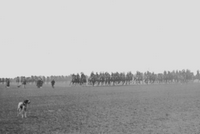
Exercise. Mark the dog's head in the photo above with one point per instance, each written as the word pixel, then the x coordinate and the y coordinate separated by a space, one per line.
pixel 27 101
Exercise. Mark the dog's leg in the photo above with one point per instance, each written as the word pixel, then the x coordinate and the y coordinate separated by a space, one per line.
pixel 25 114
pixel 22 115
pixel 18 111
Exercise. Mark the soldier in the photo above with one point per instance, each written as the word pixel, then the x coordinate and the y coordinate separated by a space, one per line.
pixel 78 78
pixel 39 83
pixel 53 83
pixel 8 83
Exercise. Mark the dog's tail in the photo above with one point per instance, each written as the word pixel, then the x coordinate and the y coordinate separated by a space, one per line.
pixel 19 105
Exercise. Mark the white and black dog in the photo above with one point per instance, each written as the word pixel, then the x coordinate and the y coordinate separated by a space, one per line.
pixel 22 107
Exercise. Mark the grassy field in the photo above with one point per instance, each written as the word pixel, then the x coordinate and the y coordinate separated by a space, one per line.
pixel 136 109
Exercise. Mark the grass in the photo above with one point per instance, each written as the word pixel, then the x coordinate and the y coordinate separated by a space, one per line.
pixel 139 109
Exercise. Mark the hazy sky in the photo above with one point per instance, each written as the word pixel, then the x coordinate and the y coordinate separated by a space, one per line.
pixel 61 37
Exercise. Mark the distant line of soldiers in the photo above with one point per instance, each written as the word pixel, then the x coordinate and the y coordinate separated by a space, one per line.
pixel 39 83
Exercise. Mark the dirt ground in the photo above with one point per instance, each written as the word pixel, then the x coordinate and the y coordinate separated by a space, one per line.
pixel 136 109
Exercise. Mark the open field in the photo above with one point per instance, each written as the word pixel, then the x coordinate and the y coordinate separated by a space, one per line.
pixel 136 109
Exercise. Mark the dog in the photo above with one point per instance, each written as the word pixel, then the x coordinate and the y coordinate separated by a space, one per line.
pixel 22 108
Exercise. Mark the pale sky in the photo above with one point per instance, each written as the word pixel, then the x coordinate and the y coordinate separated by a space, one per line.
pixel 61 37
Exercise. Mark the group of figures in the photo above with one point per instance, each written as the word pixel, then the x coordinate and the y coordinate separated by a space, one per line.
pixel 102 79
pixel 22 82
pixel 110 79
pixel 78 79
pixel 182 76
pixel 39 82
pixel 5 81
